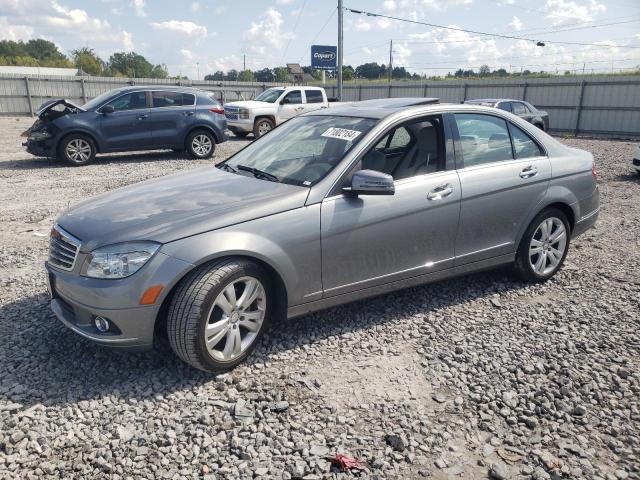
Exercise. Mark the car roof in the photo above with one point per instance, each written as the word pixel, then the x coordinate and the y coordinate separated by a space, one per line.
pixel 377 108
pixel 492 100
pixel 180 88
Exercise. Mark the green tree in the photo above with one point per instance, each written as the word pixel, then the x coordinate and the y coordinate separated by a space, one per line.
pixel 282 74
pixel 217 76
pixel 348 73
pixel 232 75
pixel 131 64
pixel 44 50
pixel 371 70
pixel 160 71
pixel 88 61
pixel 264 75
pixel 246 76
pixel 484 71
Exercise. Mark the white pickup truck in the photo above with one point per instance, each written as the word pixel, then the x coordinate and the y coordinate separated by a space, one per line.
pixel 271 108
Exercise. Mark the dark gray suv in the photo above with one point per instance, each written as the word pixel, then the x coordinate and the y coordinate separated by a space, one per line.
pixel 522 109
pixel 129 119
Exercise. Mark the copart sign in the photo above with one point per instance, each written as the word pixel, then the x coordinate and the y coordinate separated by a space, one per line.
pixel 324 57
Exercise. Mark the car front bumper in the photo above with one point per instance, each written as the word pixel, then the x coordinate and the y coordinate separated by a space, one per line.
pixel 76 301
pixel 240 126
pixel 43 148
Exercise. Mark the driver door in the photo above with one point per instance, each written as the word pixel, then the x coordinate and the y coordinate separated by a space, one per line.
pixel 127 127
pixel 290 106
pixel 371 240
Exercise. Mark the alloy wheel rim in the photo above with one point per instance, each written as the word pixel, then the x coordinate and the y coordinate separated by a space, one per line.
pixel 235 319
pixel 264 127
pixel 201 145
pixel 78 150
pixel 548 246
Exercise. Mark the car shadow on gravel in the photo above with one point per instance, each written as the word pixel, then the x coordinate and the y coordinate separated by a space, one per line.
pixel 41 361
pixel 629 177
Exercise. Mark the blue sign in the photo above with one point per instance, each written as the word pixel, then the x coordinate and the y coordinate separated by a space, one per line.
pixel 324 57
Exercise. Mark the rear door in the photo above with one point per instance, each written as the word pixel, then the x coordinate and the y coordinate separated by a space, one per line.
pixel 127 128
pixel 172 113
pixel 313 100
pixel 504 174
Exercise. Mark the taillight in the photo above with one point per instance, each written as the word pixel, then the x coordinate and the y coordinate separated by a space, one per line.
pixel 594 173
pixel 219 110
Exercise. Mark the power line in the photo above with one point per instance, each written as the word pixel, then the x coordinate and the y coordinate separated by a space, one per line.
pixel 476 32
pixel 295 26
pixel 333 12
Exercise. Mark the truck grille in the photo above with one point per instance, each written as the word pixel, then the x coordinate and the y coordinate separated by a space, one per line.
pixel 63 249
pixel 231 113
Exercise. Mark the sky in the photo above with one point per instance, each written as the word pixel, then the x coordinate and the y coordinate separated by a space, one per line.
pixel 196 37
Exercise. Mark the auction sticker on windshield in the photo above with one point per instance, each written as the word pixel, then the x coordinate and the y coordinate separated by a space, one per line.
pixel 341 134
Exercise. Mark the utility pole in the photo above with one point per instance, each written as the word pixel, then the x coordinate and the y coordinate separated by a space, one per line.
pixel 390 59
pixel 198 68
pixel 340 49
pixel 244 63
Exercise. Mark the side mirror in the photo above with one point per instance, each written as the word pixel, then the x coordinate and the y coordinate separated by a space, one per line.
pixel 107 109
pixel 370 182
pixel 284 101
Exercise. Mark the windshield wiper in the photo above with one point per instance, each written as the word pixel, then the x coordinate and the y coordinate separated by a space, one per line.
pixel 227 167
pixel 259 173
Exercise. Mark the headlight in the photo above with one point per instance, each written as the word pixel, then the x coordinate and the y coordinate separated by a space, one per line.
pixel 120 260
pixel 243 113
pixel 39 136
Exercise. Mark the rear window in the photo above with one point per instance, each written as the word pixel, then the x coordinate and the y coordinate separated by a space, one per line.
pixel 313 96
pixel 172 99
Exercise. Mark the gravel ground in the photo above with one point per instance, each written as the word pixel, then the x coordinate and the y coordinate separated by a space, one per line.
pixel 468 378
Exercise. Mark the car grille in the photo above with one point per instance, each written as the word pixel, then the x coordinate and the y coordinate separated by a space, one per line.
pixel 63 249
pixel 231 113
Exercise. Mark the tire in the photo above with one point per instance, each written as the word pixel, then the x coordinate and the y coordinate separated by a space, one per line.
pixel 201 144
pixel 197 305
pixel 76 149
pixel 241 134
pixel 262 126
pixel 535 243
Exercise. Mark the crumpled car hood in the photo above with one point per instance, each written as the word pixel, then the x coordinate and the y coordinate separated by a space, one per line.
pixel 177 206
pixel 49 105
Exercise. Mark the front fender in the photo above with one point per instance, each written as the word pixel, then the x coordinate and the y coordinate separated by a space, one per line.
pixel 289 242
pixel 84 122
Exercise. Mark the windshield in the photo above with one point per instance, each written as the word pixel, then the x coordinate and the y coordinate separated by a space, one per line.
pixel 303 150
pixel 270 96
pixel 91 104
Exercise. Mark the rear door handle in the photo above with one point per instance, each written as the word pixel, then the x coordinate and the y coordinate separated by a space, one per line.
pixel 440 192
pixel 187 114
pixel 142 117
pixel 529 172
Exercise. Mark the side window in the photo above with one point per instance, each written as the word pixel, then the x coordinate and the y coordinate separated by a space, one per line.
pixel 506 106
pixel 413 148
pixel 519 108
pixel 172 99
pixel 208 98
pixel 130 101
pixel 523 144
pixel 293 97
pixel 313 96
pixel 484 139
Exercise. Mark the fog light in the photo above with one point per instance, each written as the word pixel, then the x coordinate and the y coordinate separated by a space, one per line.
pixel 101 323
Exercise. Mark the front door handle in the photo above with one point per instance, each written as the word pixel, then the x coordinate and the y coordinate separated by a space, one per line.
pixel 142 117
pixel 529 172
pixel 440 192
pixel 300 108
pixel 187 114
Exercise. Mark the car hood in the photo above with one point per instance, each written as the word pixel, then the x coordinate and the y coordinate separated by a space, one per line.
pixel 178 206
pixel 249 104
pixel 47 106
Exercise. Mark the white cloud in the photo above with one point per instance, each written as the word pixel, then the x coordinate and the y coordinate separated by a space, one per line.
pixel 139 7
pixel 187 54
pixel 116 11
pixel 401 54
pixel 516 23
pixel 266 35
pixel 567 11
pixel 284 2
pixel 195 6
pixel 14 32
pixel 189 29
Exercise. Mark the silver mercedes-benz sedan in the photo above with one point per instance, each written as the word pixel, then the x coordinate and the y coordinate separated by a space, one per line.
pixel 330 207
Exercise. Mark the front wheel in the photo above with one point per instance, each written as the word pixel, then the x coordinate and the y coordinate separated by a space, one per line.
pixel 201 144
pixel 544 246
pixel 262 127
pixel 218 314
pixel 77 149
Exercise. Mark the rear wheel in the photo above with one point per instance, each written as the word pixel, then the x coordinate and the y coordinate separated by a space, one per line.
pixel 77 149
pixel 544 246
pixel 201 144
pixel 262 126
pixel 218 314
